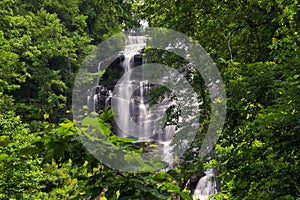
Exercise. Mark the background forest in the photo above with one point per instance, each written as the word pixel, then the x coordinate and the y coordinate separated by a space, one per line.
pixel 255 44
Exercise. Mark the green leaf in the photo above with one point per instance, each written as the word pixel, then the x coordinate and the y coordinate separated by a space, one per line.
pixel 4 140
pixel 4 157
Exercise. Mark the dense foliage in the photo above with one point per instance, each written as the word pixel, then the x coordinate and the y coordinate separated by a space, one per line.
pixel 255 45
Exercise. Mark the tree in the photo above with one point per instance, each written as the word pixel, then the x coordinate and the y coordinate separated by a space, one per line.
pixel 256 46
pixel 21 175
pixel 258 149
pixel 48 54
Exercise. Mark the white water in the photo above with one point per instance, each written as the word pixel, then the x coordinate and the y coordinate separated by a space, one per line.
pixel 124 103
pixel 93 98
pixel 206 186
pixel 133 106
pixel 165 139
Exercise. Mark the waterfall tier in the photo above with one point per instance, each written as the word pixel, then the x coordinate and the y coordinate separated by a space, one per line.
pixel 206 186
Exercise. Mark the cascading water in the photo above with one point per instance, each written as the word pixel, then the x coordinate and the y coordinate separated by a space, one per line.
pixel 165 140
pixel 206 186
pixel 98 98
pixel 131 103
pixel 124 101
pixel 138 104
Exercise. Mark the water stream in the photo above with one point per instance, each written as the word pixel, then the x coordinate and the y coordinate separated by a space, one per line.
pixel 206 186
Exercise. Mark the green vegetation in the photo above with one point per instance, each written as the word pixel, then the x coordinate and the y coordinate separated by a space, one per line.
pixel 255 44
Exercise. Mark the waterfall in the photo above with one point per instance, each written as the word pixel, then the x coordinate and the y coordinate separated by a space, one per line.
pixel 165 140
pixel 206 185
pixel 130 103
pixel 125 103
